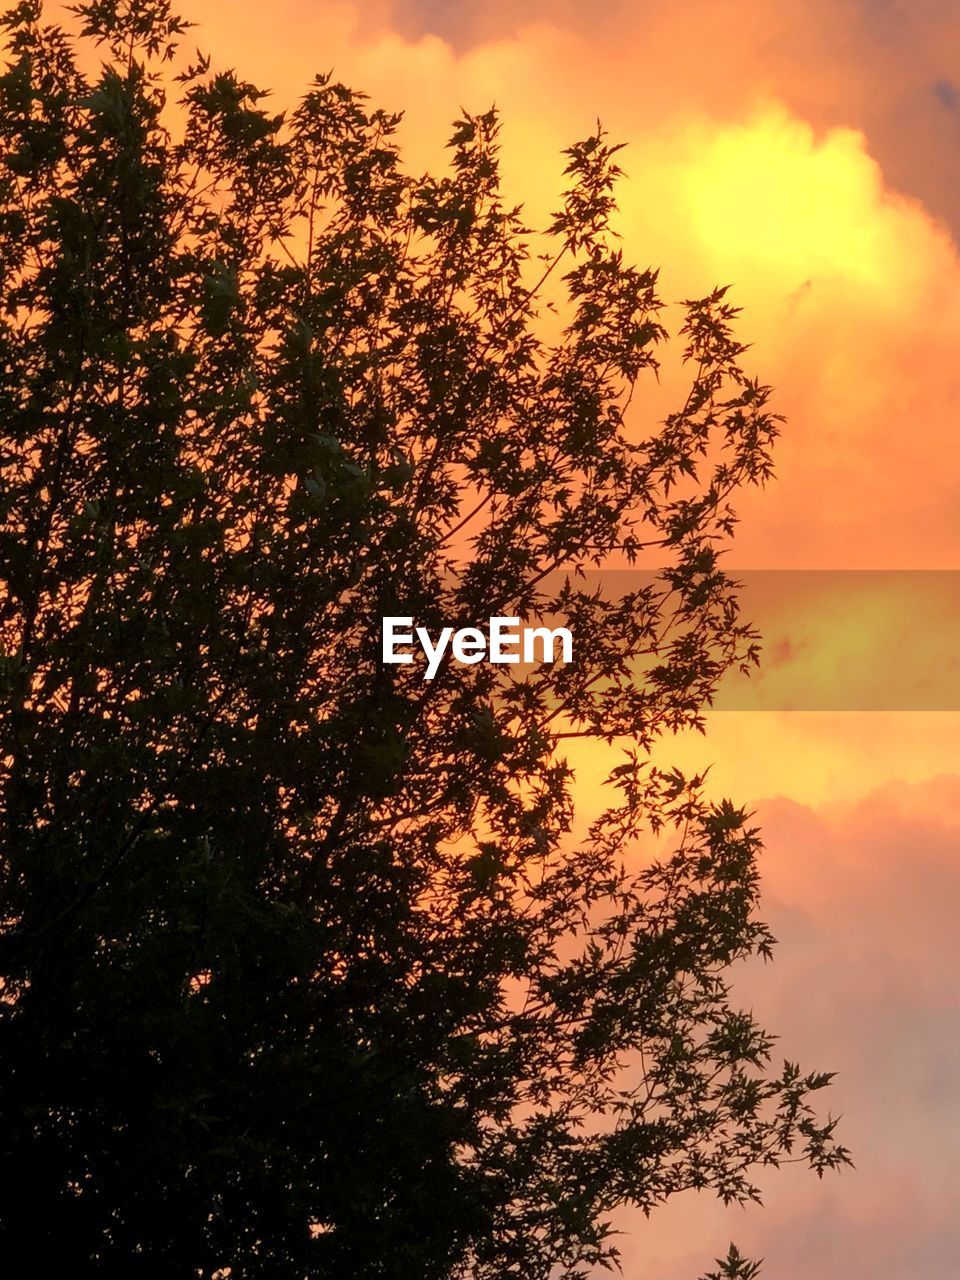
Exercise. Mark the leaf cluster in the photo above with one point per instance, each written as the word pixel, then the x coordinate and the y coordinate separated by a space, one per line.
pixel 304 971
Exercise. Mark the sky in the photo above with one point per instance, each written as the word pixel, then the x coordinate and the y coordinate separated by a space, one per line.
pixel 807 154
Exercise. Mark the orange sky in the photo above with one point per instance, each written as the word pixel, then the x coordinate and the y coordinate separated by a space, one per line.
pixel 806 153
pixel 849 283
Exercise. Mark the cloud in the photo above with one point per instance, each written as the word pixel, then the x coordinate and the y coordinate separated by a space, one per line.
pixel 948 94
pixel 862 897
pixel 758 155
pixel 868 64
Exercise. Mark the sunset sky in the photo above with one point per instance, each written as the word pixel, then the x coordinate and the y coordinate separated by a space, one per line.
pixel 808 154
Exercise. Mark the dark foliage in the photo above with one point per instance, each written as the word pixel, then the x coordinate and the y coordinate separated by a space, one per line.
pixel 304 973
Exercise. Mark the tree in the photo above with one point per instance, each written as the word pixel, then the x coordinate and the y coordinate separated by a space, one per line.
pixel 305 972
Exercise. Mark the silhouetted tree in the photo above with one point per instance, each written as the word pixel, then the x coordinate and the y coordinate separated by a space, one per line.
pixel 305 973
